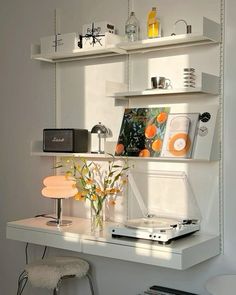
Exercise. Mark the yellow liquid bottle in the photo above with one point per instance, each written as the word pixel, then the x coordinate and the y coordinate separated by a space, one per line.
pixel 153 24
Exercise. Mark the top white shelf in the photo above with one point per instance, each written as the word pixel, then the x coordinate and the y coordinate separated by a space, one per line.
pixel 210 34
pixel 78 54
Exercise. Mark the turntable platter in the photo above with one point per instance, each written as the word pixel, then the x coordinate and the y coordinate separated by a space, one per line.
pixel 152 223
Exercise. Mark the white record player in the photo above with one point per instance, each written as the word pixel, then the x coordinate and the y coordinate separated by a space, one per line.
pixel 163 230
pixel 172 221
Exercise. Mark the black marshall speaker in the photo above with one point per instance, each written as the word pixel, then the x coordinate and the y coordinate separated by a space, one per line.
pixel 65 140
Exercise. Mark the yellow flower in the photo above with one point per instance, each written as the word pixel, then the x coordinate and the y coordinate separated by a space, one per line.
pixel 112 191
pixel 99 191
pixel 94 198
pixel 79 196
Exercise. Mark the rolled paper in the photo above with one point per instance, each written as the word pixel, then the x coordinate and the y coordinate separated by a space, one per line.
pixel 59 181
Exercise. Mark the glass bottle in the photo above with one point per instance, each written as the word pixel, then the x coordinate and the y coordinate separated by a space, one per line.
pixel 132 28
pixel 153 24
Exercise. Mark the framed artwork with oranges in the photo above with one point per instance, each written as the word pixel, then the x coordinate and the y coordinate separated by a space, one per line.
pixel 142 132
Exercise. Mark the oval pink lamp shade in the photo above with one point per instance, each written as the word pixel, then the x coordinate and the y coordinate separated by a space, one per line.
pixel 59 187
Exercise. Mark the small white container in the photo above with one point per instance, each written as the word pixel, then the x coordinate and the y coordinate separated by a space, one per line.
pixel 68 42
pixel 60 43
pixel 99 28
pixel 48 44
pixel 101 42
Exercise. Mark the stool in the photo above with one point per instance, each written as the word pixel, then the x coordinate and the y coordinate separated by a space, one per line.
pixel 50 272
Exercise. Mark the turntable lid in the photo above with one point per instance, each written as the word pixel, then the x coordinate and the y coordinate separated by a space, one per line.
pixel 166 194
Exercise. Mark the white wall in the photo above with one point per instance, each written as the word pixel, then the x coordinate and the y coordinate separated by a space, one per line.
pixel 27 106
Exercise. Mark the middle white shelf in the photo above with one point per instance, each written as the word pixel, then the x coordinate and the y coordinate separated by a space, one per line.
pixel 210 84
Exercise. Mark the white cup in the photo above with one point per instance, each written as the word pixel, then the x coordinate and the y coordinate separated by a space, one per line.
pixel 160 82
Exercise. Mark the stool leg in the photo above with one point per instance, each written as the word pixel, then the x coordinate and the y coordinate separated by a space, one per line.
pixel 23 279
pixel 57 289
pixel 90 283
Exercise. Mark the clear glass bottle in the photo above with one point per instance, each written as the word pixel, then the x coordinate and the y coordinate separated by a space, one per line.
pixel 132 28
pixel 153 24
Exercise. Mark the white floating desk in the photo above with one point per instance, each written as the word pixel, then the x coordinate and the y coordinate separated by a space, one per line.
pixel 180 254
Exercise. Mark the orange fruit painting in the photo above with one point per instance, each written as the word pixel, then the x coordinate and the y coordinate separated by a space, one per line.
pixel 142 132
pixel 119 148
pixel 162 117
pixel 150 131
pixel 157 145
pixel 144 153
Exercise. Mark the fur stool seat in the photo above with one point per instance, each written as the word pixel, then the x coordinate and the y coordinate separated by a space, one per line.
pixel 49 273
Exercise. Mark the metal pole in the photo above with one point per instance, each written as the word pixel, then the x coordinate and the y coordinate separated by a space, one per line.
pixel 59 211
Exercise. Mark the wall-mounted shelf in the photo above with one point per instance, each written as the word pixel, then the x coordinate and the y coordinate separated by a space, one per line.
pixel 36 150
pixel 209 85
pixel 180 254
pixel 210 34
pixel 78 54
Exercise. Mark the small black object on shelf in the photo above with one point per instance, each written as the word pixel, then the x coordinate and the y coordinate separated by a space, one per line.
pixel 188 27
pixel 159 290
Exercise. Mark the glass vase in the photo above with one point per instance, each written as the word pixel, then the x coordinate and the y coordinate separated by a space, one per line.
pixel 97 221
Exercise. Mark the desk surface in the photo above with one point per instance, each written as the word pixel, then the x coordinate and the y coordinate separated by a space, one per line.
pixel 179 254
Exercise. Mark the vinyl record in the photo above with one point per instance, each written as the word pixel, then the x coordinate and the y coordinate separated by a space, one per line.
pixel 179 144
pixel 151 223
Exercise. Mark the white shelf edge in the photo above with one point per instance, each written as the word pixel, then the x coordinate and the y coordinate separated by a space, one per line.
pixel 36 150
pixel 79 54
pixel 180 254
pixel 209 85
pixel 151 92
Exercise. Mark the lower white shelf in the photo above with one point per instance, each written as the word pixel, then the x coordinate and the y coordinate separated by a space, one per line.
pixel 180 254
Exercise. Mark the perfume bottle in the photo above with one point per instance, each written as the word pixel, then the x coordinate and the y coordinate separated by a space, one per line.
pixel 153 24
pixel 132 28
